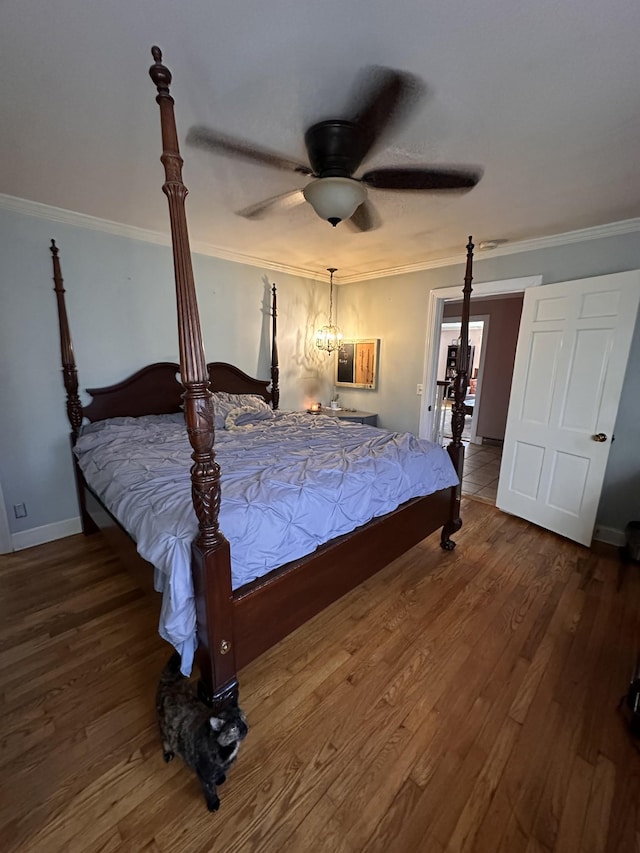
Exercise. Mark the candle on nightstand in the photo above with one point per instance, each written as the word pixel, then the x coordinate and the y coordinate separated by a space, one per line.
pixel 314 407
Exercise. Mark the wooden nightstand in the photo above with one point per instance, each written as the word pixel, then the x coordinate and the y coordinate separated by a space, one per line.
pixel 370 418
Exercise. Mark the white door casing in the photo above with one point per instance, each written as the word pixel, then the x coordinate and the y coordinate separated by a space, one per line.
pixel 568 375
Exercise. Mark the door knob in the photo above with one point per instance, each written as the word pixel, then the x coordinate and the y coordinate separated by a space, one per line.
pixel 600 436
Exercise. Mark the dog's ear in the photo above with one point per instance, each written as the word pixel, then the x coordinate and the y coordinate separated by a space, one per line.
pixel 216 723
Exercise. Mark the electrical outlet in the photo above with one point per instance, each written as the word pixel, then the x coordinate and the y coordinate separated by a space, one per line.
pixel 20 510
pixel 419 389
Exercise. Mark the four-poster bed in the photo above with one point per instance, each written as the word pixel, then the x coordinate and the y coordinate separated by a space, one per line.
pixel 234 626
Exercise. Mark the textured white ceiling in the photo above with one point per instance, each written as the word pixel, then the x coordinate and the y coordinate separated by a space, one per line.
pixel 544 96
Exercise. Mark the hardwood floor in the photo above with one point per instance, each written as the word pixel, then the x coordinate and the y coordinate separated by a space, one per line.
pixel 455 702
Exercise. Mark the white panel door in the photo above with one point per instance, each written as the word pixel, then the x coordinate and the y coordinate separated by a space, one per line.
pixel 571 357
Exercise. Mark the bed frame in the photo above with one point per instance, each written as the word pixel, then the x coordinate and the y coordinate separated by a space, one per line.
pixel 236 626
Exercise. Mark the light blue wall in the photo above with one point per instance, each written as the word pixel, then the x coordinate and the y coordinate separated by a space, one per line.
pixel 120 298
pixel 395 310
pixel 121 305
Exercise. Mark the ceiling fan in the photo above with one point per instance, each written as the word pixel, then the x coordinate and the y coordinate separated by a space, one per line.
pixel 336 148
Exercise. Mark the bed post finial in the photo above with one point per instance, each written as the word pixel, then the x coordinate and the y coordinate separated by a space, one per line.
pixel 69 371
pixel 459 409
pixel 275 369
pixel 159 73
pixel 211 561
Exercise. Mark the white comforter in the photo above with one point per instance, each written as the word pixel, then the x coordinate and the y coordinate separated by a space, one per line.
pixel 289 483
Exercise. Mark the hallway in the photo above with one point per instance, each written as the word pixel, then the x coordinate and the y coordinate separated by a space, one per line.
pixel 481 462
pixel 481 471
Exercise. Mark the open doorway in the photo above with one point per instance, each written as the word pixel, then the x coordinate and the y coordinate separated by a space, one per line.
pixel 482 463
pixel 449 331
pixel 482 458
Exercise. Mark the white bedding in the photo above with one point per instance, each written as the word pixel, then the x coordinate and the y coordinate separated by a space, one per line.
pixel 289 482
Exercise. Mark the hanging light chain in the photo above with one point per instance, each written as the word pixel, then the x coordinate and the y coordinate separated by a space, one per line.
pixel 331 271
pixel 329 338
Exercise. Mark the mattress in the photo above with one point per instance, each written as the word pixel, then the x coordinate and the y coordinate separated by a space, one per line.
pixel 289 483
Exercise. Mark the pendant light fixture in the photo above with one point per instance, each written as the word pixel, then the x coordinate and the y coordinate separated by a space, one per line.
pixel 329 338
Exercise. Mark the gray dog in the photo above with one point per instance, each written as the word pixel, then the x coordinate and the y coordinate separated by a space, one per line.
pixel 207 742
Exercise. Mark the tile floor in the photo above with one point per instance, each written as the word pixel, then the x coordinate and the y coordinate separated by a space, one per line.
pixel 481 471
pixel 481 465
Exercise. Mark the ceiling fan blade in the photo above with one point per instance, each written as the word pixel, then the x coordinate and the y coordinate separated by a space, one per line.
pixel 425 178
pixel 219 143
pixel 384 96
pixel 365 218
pixel 277 202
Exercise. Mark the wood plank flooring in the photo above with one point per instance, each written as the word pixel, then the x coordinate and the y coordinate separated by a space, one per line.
pixel 455 702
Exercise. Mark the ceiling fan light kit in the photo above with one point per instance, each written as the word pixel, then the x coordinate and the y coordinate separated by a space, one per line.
pixel 335 199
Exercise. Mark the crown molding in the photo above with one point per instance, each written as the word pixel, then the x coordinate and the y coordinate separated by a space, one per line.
pixel 158 238
pixel 611 229
pixel 106 226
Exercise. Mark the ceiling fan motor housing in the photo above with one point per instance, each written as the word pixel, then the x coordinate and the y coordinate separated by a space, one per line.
pixel 335 148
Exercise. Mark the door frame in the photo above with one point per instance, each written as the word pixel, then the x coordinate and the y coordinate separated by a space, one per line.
pixel 435 310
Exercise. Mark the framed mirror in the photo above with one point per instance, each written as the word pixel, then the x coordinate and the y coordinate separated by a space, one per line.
pixel 357 363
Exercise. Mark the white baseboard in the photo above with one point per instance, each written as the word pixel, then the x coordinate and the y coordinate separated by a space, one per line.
pixel 610 535
pixel 46 533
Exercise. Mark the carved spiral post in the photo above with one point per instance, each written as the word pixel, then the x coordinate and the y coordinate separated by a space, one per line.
pixel 275 370
pixel 211 564
pixel 69 371
pixel 458 409
pixel 70 378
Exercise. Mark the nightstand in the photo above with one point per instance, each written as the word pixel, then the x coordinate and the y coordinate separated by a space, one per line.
pixel 370 418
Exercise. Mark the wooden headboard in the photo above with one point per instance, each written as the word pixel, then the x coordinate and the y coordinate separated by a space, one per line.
pixel 155 389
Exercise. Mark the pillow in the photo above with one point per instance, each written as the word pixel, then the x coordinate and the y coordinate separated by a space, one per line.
pixel 97 426
pixel 224 402
pixel 246 416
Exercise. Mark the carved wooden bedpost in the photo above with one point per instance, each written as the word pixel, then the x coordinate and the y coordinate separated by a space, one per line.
pixel 70 378
pixel 69 371
pixel 211 562
pixel 275 370
pixel 458 409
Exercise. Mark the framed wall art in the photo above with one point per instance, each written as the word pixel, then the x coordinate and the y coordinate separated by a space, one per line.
pixel 357 363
